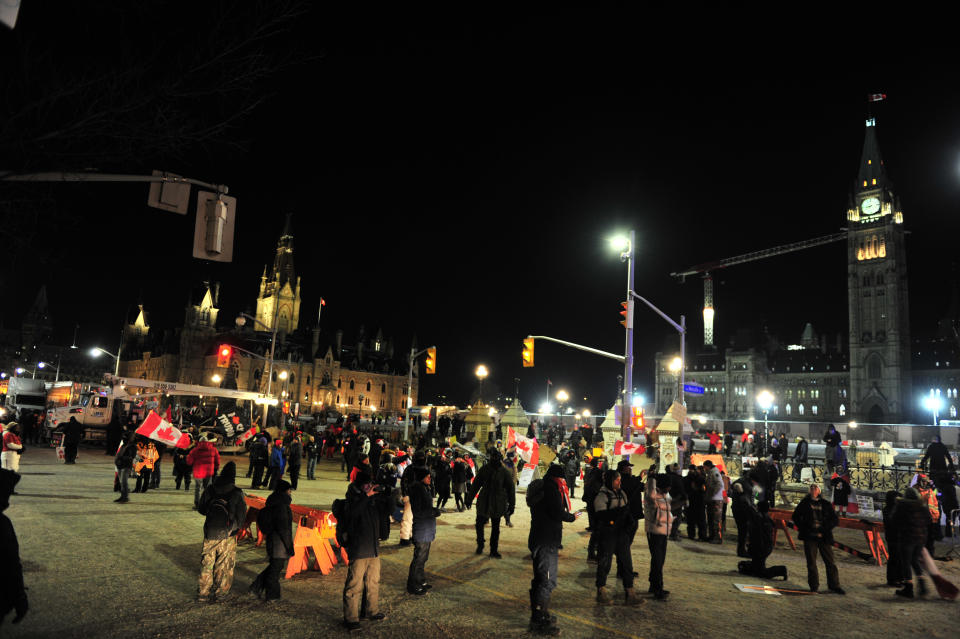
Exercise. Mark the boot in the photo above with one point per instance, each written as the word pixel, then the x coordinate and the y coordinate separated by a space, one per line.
pixel 541 624
pixel 907 590
pixel 630 597
pixel 603 596
pixel 480 547
pixel 921 588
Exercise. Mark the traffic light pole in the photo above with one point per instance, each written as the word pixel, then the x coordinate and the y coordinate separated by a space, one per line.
pixel 627 397
pixel 413 358
pixel 682 329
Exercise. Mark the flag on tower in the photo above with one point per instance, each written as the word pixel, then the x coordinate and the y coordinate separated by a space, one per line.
pixel 323 302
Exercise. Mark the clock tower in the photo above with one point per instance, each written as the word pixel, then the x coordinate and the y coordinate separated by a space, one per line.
pixel 880 388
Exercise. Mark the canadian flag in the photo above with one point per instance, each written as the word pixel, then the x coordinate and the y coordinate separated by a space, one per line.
pixel 527 447
pixel 247 434
pixel 155 427
pixel 621 447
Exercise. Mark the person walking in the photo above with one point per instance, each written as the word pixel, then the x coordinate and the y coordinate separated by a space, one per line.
pixel 497 497
pixel 259 457
pixel 294 459
pixel 181 469
pixel 424 530
pixel 124 461
pixel 592 483
pixel 800 458
pixel 312 451
pixel 548 512
pixel 911 522
pixel 714 502
pixel 278 462
pixel 894 574
pixel 12 448
pixel 225 513
pixel 442 473
pixel 658 520
pixel 276 522
pixel 615 528
pixel 362 528
pixel 815 520
pixel 204 460
pixel 461 475
pixel 571 466
pixel 928 495
pixel 72 434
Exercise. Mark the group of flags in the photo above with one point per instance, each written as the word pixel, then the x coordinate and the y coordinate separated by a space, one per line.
pixel 160 429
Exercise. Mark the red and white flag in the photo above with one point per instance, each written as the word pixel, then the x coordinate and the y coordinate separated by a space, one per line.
pixel 159 429
pixel 876 97
pixel 247 434
pixel 527 447
pixel 621 447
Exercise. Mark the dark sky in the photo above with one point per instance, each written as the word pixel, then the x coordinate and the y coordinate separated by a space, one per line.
pixel 457 176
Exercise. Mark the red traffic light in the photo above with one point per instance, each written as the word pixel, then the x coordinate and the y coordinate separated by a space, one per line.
pixel 224 355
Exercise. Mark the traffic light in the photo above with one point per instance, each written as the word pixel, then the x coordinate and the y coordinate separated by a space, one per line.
pixel 637 418
pixel 224 355
pixel 431 361
pixel 286 407
pixel 626 313
pixel 528 353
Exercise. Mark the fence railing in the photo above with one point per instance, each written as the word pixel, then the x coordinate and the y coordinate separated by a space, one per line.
pixel 867 476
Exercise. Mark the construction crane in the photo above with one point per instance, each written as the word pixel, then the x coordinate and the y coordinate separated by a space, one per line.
pixel 707 268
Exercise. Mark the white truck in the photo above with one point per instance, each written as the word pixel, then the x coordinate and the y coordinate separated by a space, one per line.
pixel 25 394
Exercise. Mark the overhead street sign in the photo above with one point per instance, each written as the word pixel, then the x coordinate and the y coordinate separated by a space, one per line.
pixel 693 389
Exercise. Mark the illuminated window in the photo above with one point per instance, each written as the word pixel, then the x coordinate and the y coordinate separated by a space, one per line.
pixel 843 410
pixel 874 181
pixel 813 409
pixel 953 410
pixel 864 182
pixel 787 409
pixel 800 409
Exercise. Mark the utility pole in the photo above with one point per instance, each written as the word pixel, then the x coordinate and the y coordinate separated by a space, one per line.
pixel 627 396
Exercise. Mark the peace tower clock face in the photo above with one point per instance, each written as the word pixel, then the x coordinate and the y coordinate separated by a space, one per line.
pixel 870 206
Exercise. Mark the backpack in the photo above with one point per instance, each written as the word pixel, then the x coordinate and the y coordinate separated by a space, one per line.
pixel 341 512
pixel 265 521
pixel 218 516
pixel 534 492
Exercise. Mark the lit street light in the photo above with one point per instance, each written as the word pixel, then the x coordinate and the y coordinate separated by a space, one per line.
pixel 216 379
pixel 481 374
pixel 934 404
pixel 765 402
pixel 96 351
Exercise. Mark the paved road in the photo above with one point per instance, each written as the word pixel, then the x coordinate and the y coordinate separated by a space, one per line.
pixel 99 569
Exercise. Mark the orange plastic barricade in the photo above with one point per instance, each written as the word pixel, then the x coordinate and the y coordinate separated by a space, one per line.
pixel 307 539
pixel 872 530
pixel 254 506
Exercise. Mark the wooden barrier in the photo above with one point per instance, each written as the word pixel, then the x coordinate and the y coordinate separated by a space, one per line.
pixel 782 520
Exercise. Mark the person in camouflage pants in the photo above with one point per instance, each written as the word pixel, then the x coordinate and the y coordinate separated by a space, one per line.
pixel 217 560
pixel 225 509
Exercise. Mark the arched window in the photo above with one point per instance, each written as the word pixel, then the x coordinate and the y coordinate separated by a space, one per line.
pixel 800 409
pixel 368 387
pixel 953 410
pixel 274 377
pixel 338 399
pixel 293 379
pixel 351 384
pixel 308 380
pixel 257 374
pixel 787 409
pixel 383 389
pixel 339 384
pixel 843 410
pixel 874 367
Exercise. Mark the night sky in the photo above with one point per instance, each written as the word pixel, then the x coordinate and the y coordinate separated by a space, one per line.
pixel 457 176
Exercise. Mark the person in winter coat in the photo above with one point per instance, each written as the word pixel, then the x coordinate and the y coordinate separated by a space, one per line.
pixel 124 463
pixel 407 480
pixel 894 574
pixel 695 486
pixel 13 592
pixel 571 469
pixel 278 462
pixel 442 473
pixel 147 456
pixel 312 451
pixel 800 457
pixel 615 526
pixel 678 496
pixel 815 520
pixel 497 495
pixel 363 548
pixel 461 475
pixel 279 541
pixel 744 511
pixel 225 510
pixel 259 457
pixel 181 469
pixel 841 492
pixel 760 547
pixel 511 462
pixel 928 495
pixel 72 434
pixel 727 443
pixel 658 520
pixel 911 522
pixel 546 528
pixel 592 483
pixel 294 460
pixel 832 440
pixel 205 462
pixel 12 448
pixel 161 448
pixel 424 530
pixel 713 501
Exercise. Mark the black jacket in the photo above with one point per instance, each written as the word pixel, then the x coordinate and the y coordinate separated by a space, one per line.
pixel 800 454
pixel 363 524
pixel 72 432
pixel 939 457
pixel 547 516
pixel 259 453
pixel 832 439
pixel 803 517
pixel 497 491
pixel 280 540
pixel 295 453
pixel 126 455
pixel 911 521
pixel 236 505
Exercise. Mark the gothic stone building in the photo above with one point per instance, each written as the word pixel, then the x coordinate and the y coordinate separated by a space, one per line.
pixel 366 377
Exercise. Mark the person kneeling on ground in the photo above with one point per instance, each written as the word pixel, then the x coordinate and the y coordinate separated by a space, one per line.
pixel 759 546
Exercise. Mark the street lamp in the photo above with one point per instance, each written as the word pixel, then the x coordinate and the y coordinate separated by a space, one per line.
pixel 96 351
pixel 765 402
pixel 934 404
pixel 562 397
pixel 481 374
pixel 216 379
pixel 626 245
pixel 56 368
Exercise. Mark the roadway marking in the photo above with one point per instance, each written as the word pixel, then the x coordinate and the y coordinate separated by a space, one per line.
pixel 564 615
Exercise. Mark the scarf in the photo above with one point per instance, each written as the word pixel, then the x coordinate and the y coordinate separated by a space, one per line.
pixel 564 492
